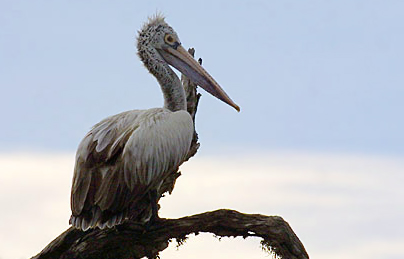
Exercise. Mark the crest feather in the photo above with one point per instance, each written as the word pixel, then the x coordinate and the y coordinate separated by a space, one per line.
pixel 155 19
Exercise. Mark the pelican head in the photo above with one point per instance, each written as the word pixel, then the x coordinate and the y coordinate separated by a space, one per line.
pixel 158 43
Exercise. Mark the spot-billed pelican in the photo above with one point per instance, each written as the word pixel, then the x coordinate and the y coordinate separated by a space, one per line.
pixel 125 158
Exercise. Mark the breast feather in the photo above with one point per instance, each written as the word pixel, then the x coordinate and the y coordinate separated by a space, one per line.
pixel 160 143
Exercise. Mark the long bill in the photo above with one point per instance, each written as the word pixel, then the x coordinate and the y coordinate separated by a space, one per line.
pixel 186 64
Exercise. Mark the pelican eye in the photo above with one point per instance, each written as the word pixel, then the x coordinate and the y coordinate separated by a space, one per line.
pixel 169 39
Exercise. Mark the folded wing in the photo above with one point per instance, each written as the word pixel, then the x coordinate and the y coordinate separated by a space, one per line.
pixel 121 159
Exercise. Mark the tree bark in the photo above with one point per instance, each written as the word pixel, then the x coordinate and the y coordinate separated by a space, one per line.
pixel 132 240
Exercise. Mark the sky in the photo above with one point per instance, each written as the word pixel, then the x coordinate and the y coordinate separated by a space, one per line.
pixel 319 75
pixel 340 206
pixel 321 80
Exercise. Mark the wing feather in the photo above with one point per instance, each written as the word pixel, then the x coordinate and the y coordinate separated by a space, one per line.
pixel 124 156
pixel 93 156
pixel 80 189
pixel 107 192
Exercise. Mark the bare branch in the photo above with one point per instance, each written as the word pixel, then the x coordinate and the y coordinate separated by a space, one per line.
pixel 131 240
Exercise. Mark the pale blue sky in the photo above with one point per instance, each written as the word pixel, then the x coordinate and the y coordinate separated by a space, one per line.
pixel 316 75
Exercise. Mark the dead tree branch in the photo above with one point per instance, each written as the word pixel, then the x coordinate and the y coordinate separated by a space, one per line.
pixel 131 240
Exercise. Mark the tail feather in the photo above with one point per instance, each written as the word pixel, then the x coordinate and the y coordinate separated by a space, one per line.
pixel 96 220
pixel 140 212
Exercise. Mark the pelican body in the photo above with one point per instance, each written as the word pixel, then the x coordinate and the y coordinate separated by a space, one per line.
pixel 124 159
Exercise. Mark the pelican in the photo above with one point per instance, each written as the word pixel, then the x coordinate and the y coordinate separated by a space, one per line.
pixel 125 158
